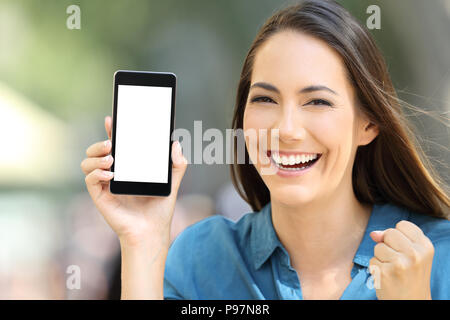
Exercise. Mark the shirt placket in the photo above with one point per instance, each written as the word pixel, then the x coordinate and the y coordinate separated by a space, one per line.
pixel 286 278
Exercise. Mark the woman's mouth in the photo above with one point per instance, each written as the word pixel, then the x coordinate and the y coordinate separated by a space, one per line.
pixel 293 162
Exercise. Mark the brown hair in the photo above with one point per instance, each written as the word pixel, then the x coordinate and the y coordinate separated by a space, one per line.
pixel 393 167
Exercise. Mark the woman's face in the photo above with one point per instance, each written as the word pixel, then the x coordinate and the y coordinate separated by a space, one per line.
pixel 299 86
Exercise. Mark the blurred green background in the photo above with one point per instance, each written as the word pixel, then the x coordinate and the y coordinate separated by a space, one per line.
pixel 56 89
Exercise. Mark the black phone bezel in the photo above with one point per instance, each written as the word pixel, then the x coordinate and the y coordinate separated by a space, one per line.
pixel 143 78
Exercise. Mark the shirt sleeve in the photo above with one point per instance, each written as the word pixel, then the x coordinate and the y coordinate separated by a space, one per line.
pixel 178 269
pixel 170 292
pixel 198 255
pixel 440 278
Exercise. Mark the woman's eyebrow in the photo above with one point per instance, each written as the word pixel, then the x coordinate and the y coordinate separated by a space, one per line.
pixel 307 89
pixel 266 86
pixel 317 88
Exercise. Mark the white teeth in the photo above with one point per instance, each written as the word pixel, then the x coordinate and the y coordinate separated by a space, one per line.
pixel 292 159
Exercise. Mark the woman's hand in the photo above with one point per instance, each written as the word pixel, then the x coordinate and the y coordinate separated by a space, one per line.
pixel 402 261
pixel 135 219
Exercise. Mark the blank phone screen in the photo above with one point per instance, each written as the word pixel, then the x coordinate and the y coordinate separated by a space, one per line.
pixel 142 133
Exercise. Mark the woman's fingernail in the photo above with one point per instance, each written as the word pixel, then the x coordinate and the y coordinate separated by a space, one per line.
pixel 108 173
pixel 107 143
pixel 177 152
pixel 177 147
pixel 106 159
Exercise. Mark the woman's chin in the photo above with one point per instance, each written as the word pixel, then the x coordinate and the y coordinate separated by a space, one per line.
pixel 292 195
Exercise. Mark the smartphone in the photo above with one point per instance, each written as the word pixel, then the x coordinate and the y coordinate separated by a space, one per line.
pixel 143 121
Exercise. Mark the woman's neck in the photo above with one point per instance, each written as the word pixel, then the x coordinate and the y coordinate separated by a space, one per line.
pixel 323 235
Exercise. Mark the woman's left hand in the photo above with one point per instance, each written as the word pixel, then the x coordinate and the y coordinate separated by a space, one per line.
pixel 401 266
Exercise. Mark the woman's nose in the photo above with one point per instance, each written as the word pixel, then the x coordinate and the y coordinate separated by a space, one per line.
pixel 289 127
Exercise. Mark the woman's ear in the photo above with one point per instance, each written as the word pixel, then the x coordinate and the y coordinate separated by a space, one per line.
pixel 368 132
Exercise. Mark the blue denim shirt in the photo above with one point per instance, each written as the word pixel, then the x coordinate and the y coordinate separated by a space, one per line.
pixel 220 259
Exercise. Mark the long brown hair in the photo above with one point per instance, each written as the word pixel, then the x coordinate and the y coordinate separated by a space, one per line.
pixel 393 167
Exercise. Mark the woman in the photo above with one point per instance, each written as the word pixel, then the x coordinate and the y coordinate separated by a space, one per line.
pixel 351 211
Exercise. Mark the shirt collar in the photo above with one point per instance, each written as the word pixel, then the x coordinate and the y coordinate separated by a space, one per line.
pixel 264 240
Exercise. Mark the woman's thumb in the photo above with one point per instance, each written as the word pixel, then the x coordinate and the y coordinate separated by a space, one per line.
pixel 377 236
pixel 179 164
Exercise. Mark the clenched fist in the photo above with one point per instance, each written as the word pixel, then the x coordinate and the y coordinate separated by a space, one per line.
pixel 402 261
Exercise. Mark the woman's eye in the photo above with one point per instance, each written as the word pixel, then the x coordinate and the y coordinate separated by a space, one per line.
pixel 318 102
pixel 262 99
